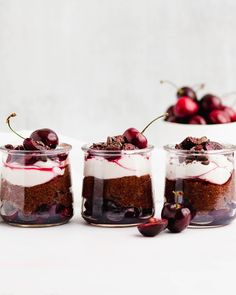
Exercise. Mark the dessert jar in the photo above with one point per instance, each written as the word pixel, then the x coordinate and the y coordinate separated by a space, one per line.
pixel 204 182
pixel 36 187
pixel 117 186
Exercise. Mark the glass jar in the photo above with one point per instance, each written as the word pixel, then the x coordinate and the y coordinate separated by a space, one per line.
pixel 117 187
pixel 204 182
pixel 36 187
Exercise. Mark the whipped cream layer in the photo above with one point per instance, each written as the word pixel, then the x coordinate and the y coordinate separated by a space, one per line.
pixel 218 171
pixel 127 165
pixel 28 176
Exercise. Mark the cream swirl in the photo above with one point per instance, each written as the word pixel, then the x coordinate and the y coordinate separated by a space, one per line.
pixel 218 171
pixel 127 165
pixel 31 175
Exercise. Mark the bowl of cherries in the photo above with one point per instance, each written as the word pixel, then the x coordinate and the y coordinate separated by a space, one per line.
pixel 196 115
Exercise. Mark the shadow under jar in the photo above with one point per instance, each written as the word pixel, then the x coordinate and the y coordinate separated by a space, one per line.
pixel 36 187
pixel 117 187
pixel 206 180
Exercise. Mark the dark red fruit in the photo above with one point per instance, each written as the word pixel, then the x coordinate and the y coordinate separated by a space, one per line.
pixel 178 216
pixel 180 221
pixel 230 111
pixel 185 107
pixel 187 92
pixel 140 141
pixel 153 227
pixel 136 138
pixel 130 134
pixel 218 117
pixel 210 102
pixel 171 116
pixel 170 112
pixel 169 210
pixel 47 136
pixel 197 119
pixel 31 145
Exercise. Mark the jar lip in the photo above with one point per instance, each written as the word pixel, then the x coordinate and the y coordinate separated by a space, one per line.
pixel 86 148
pixel 61 148
pixel 227 148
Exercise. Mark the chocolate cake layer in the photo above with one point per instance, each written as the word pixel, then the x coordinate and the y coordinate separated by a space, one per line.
pixel 203 195
pixel 28 199
pixel 128 191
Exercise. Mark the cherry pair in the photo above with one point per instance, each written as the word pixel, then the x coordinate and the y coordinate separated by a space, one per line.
pixel 176 217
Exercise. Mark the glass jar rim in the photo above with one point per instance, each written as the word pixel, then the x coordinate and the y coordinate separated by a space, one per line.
pixel 61 148
pixel 86 148
pixel 227 149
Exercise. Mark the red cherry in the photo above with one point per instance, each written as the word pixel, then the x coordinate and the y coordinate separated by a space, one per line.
pixel 135 137
pixel 46 136
pixel 230 111
pixel 152 227
pixel 140 141
pixel 187 92
pixel 197 120
pixel 31 145
pixel 219 117
pixel 185 107
pixel 178 216
pixel 130 133
pixel 210 102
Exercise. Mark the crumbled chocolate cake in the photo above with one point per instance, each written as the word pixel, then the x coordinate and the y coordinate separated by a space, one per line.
pixel 115 143
pixel 199 147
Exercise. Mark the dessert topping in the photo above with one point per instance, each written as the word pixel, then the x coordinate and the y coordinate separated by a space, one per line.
pixel 130 140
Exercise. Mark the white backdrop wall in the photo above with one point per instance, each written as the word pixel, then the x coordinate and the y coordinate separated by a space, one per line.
pixel 91 68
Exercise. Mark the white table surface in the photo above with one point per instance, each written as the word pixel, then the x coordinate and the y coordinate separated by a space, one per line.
pixel 80 259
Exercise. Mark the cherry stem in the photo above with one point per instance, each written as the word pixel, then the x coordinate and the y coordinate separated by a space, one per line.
pixel 168 82
pixel 198 86
pixel 9 125
pixel 164 115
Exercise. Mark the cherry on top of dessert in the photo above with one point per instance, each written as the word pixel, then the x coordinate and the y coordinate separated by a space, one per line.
pixel 47 136
pixel 40 140
pixel 131 139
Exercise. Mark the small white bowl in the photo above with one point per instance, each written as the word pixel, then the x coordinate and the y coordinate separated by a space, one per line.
pixel 167 132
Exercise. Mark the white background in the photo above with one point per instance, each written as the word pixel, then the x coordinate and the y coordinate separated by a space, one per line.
pixel 91 68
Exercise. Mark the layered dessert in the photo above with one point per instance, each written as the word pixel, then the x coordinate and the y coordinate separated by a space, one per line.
pixel 117 184
pixel 36 181
pixel 203 171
